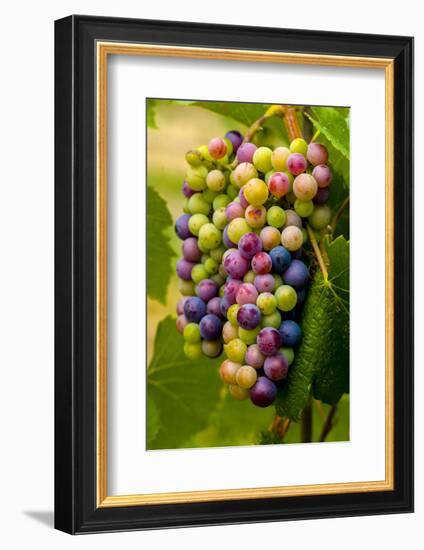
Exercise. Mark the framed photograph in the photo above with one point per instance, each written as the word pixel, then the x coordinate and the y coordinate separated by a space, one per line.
pixel 234 274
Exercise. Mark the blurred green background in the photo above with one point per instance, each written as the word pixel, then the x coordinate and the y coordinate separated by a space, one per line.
pixel 187 406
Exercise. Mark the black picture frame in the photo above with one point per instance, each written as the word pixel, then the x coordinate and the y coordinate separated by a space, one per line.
pixel 76 510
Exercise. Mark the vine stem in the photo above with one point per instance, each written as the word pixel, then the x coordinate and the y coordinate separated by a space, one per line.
pixel 317 252
pixel 328 423
pixel 339 213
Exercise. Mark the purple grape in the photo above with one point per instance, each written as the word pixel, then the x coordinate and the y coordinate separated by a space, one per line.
pixel 249 245
pixel 194 309
pixel 234 210
pixel 181 227
pixel 323 175
pixel 263 393
pixel 261 263
pixel 291 333
pixel 322 196
pixel 226 240
pixel 242 199
pixel 180 305
pixel 184 269
pixel 296 163
pixel 276 367
pixel 254 357
pixel 265 283
pixel 187 190
pixel 225 304
pixel 191 251
pixel 214 306
pixel 248 316
pixel 281 259
pixel 231 288
pixel 210 327
pixel 207 289
pixel 245 152
pixel 246 294
pixel 235 265
pixel 296 275
pixel 236 139
pixel 317 153
pixel 269 341
pixel 297 254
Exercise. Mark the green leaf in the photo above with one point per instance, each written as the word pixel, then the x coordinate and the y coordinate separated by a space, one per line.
pixel 333 125
pixel 322 360
pixel 153 421
pixel 233 423
pixel 159 251
pixel 246 113
pixel 151 113
pixel 185 392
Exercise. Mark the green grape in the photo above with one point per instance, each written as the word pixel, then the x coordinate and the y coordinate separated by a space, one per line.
pixel 276 216
pixel 238 393
pixel 219 281
pixel 262 159
pixel 198 273
pixel 219 218
pixel 288 354
pixel 299 145
pixel 303 208
pixel 235 350
pixel 246 376
pixel 248 335
pixel 203 150
pixel 268 175
pixel 286 297
pixel 232 314
pixel 279 158
pixel 304 235
pixel 196 177
pixel 211 266
pixel 320 218
pixel 229 145
pixel 186 288
pixel 221 201
pixel 232 192
pixel 193 351
pixel 194 157
pixel 236 229
pixel 215 180
pixel 211 348
pixel 291 238
pixel 249 277
pixel 278 280
pixel 198 205
pixel 272 320
pixel 256 192
pixel 242 174
pixel 267 303
pixel 196 221
pixel 209 236
pixel 191 333
pixel 209 195
pixel 202 248
pixel 217 253
pixel 186 209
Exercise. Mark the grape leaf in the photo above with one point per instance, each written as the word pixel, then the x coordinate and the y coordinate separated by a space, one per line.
pixel 151 114
pixel 159 251
pixel 233 423
pixel 333 125
pixel 153 421
pixel 185 392
pixel 322 360
pixel 246 113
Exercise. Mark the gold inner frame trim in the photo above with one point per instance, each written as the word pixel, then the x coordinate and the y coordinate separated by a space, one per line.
pixel 104 49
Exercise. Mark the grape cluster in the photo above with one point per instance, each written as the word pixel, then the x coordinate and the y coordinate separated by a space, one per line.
pixel 243 274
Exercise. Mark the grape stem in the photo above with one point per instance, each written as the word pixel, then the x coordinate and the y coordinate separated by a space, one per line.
pixel 328 423
pixel 291 122
pixel 339 213
pixel 317 252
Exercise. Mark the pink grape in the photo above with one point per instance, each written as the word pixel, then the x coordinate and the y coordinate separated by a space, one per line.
pixel 269 341
pixel 180 305
pixel 217 148
pixel 231 288
pixel 207 289
pixel 254 357
pixel 317 154
pixel 249 245
pixel 234 210
pixel 191 251
pixel 270 237
pixel 242 199
pixel 181 322
pixel 323 175
pixel 293 219
pixel 279 184
pixel 245 152
pixel 276 367
pixel 214 306
pixel 322 195
pixel 296 163
pixel 265 283
pixel 247 294
pixel 255 216
pixel 184 269
pixel 261 263
pixel 187 190
pixel 235 265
